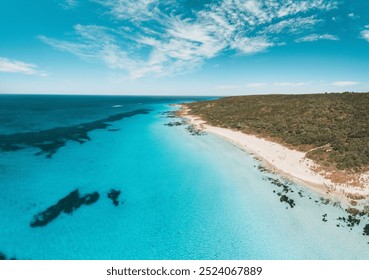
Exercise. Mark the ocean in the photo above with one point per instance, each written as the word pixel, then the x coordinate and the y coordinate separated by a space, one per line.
pixel 120 177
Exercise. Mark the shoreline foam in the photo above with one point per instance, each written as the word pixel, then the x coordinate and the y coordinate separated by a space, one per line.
pixel 289 163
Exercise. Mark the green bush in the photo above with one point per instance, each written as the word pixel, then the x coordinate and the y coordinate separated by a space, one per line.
pixel 339 120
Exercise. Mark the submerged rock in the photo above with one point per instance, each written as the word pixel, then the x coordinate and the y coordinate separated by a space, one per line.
pixel 51 140
pixel 113 195
pixel 67 205
pixel 170 114
pixel 324 218
pixel 285 198
pixel 278 183
pixel 351 221
pixel 174 123
pixel 366 230
pixel 195 131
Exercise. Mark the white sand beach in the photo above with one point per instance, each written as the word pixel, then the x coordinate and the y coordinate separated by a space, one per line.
pixel 290 163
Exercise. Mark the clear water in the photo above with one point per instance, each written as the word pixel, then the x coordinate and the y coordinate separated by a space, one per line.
pixel 182 196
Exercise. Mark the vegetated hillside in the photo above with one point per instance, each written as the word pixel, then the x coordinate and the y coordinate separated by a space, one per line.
pixel 338 123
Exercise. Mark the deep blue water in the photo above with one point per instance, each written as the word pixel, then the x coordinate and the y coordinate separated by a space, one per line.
pixel 180 196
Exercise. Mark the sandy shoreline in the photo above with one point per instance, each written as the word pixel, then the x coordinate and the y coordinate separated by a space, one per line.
pixel 290 163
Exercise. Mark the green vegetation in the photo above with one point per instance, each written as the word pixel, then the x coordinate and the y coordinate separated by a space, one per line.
pixel 335 126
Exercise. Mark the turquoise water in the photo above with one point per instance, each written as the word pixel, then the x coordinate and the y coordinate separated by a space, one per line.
pixel 183 196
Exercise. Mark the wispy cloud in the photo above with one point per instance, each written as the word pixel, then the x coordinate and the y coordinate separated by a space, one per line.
pixel 344 83
pixel 289 84
pixel 133 10
pixel 68 4
pixel 292 25
pixel 156 38
pixel 256 85
pixel 251 45
pixel 316 37
pixel 227 87
pixel 16 66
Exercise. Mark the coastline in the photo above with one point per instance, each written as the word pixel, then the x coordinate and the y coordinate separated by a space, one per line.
pixel 291 164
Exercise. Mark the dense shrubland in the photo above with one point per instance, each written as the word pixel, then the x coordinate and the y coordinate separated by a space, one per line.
pixel 333 127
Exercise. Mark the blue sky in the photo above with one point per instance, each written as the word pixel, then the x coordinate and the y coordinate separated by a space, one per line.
pixel 202 47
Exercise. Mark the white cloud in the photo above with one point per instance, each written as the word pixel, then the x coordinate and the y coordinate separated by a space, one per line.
pixel 291 7
pixel 344 83
pixel 292 25
pixel 289 84
pixel 138 10
pixel 316 37
pixel 156 38
pixel 251 45
pixel 16 66
pixel 365 34
pixel 256 85
pixel 227 87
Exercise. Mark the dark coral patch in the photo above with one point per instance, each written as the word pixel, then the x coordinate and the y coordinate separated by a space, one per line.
pixel 113 195
pixel 51 140
pixel 67 205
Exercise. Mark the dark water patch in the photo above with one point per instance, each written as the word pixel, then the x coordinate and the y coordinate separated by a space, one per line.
pixel 289 201
pixel 3 257
pixel 113 195
pixel 51 140
pixel 68 205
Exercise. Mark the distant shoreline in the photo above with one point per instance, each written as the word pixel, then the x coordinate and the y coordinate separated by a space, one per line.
pixel 285 161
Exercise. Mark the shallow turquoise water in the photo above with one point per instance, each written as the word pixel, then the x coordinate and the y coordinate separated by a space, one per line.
pixel 182 196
